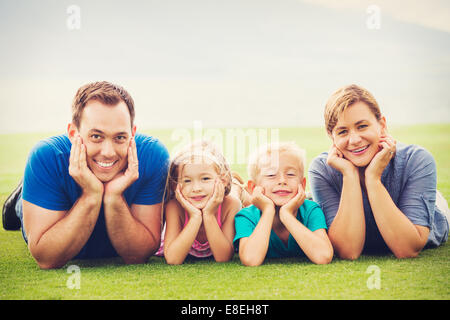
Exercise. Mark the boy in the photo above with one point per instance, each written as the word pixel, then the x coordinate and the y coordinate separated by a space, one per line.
pixel 280 222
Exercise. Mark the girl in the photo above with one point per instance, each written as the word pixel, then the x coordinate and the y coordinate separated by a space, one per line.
pixel 200 212
pixel 378 195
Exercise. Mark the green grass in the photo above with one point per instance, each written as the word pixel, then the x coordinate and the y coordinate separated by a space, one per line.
pixel 425 277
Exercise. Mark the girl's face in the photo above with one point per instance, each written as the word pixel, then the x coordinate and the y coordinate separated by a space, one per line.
pixel 357 134
pixel 197 181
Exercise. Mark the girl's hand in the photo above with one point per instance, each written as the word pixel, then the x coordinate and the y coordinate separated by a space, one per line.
pixel 260 201
pixel 292 205
pixel 189 207
pixel 215 200
pixel 387 146
pixel 336 160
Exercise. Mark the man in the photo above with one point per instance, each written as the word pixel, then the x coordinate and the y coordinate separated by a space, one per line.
pixel 96 191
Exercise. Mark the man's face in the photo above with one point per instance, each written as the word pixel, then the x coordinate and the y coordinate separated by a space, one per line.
pixel 106 132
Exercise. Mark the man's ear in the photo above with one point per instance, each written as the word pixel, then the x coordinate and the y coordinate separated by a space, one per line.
pixel 250 186
pixel 72 131
pixel 133 131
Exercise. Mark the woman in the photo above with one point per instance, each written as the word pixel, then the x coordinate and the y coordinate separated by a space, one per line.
pixel 377 195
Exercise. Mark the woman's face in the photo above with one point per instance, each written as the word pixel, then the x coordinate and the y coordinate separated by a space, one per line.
pixel 357 134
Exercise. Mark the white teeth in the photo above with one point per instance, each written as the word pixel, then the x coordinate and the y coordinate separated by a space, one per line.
pixel 105 164
pixel 360 149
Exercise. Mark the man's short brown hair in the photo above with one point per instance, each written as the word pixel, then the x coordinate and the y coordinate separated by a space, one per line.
pixel 104 92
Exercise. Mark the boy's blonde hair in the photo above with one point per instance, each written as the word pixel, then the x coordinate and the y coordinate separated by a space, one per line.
pixel 274 150
pixel 189 154
pixel 345 97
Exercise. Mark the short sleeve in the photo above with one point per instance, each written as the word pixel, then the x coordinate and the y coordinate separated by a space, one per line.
pixel 153 168
pixel 315 217
pixel 244 223
pixel 418 197
pixel 325 191
pixel 42 179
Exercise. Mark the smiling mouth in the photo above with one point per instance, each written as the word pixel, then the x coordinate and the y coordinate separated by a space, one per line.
pixel 105 165
pixel 282 193
pixel 198 198
pixel 359 150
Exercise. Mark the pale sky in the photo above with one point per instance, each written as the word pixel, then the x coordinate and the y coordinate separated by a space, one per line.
pixel 235 63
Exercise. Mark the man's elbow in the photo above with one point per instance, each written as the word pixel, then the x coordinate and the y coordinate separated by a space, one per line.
pixel 48 265
pixel 135 259
pixel 45 263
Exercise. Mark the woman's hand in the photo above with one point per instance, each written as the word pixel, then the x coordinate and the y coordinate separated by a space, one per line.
pixel 387 146
pixel 336 160
pixel 215 200
pixel 189 207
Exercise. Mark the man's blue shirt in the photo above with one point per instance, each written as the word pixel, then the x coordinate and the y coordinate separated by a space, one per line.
pixel 47 184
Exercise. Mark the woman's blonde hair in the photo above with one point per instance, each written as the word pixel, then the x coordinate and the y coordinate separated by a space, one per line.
pixel 345 97
pixel 190 154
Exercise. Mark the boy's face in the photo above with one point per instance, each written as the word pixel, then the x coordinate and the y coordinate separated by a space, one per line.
pixel 106 132
pixel 280 179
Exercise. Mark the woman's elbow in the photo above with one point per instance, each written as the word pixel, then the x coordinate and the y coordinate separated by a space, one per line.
pixel 405 254
pixel 349 254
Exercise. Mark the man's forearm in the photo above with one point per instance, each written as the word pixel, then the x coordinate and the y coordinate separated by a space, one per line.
pixel 131 239
pixel 64 240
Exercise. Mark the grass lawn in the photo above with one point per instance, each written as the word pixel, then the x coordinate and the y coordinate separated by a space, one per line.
pixel 425 277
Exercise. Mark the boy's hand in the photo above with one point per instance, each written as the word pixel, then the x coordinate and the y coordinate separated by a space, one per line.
pixel 296 202
pixel 215 200
pixel 260 201
pixel 124 179
pixel 189 207
pixel 79 170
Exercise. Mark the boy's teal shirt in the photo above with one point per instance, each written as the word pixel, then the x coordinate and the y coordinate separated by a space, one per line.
pixel 309 214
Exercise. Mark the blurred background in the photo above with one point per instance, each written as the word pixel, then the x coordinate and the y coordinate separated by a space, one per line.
pixel 231 63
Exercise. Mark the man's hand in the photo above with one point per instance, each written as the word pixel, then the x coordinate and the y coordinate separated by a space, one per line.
pixel 79 170
pixel 215 200
pixel 291 207
pixel 125 179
